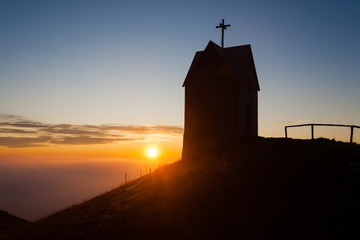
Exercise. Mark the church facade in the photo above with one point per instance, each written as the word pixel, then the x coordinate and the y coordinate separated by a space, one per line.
pixel 221 98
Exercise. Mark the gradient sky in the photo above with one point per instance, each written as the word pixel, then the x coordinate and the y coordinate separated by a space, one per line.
pixel 100 62
pixel 69 67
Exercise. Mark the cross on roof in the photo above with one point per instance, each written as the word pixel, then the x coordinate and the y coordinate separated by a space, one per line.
pixel 223 27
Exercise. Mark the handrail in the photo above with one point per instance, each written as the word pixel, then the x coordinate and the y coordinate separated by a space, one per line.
pixel 324 124
pixel 122 202
pixel 129 188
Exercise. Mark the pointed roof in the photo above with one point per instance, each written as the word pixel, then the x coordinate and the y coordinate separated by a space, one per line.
pixel 238 59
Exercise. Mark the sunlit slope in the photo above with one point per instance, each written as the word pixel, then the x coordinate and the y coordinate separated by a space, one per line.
pixel 262 189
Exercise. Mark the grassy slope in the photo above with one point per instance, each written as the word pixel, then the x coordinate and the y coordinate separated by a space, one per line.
pixel 262 189
pixel 8 222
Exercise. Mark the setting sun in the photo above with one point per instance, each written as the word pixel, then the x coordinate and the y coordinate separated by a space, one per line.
pixel 152 152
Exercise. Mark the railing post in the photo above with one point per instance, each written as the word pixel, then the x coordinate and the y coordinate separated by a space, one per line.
pixel 122 200
pixel 285 132
pixel 312 131
pixel 351 133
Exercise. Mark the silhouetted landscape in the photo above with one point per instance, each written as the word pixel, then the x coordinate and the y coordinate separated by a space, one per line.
pixel 262 188
pixel 88 87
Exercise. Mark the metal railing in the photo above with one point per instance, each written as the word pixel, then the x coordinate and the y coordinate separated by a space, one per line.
pixel 123 191
pixel 321 124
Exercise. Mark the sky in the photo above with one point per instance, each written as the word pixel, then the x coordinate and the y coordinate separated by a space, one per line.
pixel 84 83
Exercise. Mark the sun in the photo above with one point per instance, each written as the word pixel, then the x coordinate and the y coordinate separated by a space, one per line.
pixel 152 152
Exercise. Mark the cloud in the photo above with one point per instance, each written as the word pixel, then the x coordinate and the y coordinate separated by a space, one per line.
pixel 81 140
pixel 14 130
pixel 17 132
pixel 73 130
pixel 22 142
pixel 25 124
pixel 156 129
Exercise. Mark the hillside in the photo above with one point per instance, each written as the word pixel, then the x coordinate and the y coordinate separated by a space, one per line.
pixel 259 189
pixel 8 222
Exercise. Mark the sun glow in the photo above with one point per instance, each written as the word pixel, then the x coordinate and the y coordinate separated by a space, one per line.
pixel 152 152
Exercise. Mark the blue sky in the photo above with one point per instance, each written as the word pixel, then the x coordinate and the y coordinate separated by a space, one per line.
pixel 99 62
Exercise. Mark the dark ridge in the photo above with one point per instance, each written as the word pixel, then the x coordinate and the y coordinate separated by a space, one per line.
pixel 258 189
pixel 9 222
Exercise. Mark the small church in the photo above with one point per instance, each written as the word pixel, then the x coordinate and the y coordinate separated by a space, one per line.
pixel 221 99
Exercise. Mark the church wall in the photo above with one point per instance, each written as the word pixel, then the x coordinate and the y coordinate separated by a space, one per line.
pixel 247 97
pixel 211 101
pixel 211 107
pixel 221 104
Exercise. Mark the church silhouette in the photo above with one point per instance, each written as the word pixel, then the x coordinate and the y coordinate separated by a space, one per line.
pixel 221 99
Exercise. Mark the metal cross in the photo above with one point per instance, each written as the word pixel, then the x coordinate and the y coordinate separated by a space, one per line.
pixel 223 27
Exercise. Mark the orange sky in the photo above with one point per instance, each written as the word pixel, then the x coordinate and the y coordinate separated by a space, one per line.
pixel 25 139
pixel 168 151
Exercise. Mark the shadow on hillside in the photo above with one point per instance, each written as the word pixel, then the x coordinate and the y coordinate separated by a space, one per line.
pixel 259 189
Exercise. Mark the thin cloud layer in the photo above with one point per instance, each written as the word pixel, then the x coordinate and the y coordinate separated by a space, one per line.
pixel 21 142
pixel 17 132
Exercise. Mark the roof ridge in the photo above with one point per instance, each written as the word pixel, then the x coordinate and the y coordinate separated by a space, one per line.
pixel 226 55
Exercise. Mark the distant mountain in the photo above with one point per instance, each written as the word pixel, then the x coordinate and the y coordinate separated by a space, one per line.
pixel 258 189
